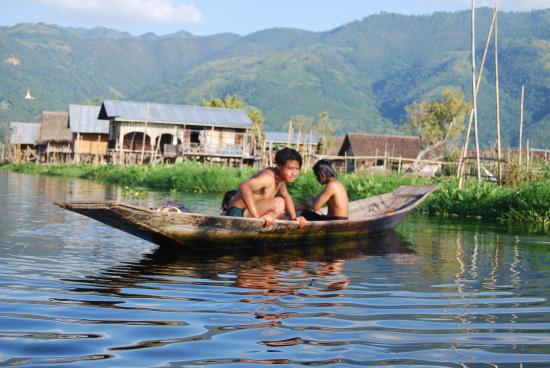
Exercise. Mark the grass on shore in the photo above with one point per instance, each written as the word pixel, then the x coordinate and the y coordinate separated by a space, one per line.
pixel 527 202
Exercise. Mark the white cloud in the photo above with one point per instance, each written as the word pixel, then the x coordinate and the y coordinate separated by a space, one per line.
pixel 135 10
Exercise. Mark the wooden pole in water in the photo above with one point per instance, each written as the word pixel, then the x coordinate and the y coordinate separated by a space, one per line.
pixel 460 171
pixel 521 123
pixel 474 95
pixel 499 153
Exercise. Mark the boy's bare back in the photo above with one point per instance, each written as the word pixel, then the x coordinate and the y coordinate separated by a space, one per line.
pixel 335 197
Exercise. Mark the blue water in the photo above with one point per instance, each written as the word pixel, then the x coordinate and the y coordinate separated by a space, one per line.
pixel 74 292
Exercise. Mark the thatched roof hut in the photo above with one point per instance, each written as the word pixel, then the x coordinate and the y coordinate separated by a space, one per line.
pixel 54 127
pixel 361 144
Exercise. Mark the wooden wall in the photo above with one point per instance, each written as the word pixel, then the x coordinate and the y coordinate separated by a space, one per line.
pixel 91 143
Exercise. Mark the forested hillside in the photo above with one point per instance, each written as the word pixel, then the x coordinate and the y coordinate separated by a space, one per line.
pixel 363 73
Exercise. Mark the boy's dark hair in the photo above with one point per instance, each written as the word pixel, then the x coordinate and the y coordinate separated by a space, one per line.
pixel 286 154
pixel 227 198
pixel 324 166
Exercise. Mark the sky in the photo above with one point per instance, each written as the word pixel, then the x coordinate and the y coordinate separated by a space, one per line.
pixel 207 17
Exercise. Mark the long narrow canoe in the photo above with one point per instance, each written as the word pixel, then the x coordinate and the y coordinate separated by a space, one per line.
pixel 193 230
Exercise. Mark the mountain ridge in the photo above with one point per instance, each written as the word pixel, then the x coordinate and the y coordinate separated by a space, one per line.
pixel 362 73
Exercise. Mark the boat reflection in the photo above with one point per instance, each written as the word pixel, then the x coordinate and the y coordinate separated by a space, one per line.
pixel 266 271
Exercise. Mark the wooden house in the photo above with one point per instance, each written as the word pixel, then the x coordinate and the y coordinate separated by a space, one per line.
pixel 362 152
pixel 90 135
pixel 145 131
pixel 55 138
pixel 23 138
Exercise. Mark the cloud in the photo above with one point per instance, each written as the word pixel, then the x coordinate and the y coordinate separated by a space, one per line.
pixel 507 5
pixel 135 10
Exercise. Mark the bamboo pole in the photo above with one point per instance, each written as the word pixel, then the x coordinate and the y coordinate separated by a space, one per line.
pixel 144 134
pixel 289 133
pixel 474 94
pixel 521 123
pixel 527 153
pixel 497 96
pixel 460 170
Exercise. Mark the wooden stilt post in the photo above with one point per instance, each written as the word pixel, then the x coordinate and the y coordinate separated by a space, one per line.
pixel 399 165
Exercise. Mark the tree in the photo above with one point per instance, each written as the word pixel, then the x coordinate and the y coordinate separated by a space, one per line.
pixel 255 114
pixel 325 129
pixel 439 123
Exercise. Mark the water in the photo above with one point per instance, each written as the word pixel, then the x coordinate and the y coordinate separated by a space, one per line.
pixel 74 292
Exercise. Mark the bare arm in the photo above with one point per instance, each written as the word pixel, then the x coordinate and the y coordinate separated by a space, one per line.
pixel 289 204
pixel 323 198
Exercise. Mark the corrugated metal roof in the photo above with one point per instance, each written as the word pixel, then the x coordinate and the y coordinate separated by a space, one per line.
pixel 282 137
pixel 83 119
pixel 23 133
pixel 175 114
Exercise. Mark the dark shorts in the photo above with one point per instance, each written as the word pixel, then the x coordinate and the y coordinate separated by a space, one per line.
pixel 235 212
pixel 311 215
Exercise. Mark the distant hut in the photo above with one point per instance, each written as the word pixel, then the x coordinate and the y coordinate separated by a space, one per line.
pixel 90 135
pixel 370 150
pixel 162 131
pixel 54 141
pixel 23 141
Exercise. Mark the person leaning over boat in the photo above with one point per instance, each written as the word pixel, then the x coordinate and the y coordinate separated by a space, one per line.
pixel 257 197
pixel 334 196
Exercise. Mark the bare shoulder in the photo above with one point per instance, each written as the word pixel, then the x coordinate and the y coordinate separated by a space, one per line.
pixel 335 185
pixel 267 172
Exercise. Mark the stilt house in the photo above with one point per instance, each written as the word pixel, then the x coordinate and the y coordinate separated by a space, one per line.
pixel 55 138
pixel 23 141
pixel 90 135
pixel 152 131
pixel 370 150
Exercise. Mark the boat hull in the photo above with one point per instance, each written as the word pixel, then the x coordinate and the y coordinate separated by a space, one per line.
pixel 202 231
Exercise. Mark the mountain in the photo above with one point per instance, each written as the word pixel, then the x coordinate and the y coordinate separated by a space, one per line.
pixel 363 73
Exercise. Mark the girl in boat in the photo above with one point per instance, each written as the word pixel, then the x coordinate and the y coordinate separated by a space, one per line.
pixel 334 196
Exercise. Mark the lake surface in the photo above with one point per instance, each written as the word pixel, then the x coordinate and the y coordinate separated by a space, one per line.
pixel 74 292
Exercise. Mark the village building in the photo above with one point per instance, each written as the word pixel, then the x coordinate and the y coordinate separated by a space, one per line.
pixel 90 135
pixel 152 132
pixel 23 138
pixel 307 144
pixel 371 152
pixel 55 138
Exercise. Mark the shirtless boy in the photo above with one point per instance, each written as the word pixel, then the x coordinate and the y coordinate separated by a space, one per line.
pixel 257 196
pixel 334 195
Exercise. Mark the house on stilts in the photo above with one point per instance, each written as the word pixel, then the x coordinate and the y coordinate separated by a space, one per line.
pixel 371 152
pixel 22 141
pixel 153 132
pixel 55 138
pixel 90 134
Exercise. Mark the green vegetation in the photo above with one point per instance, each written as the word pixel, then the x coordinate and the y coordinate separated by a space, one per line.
pixel 528 202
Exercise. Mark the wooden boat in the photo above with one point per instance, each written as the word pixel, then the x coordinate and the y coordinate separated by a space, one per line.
pixel 193 230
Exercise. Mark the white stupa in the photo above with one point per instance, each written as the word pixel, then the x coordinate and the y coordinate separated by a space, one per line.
pixel 28 95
